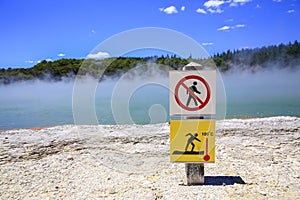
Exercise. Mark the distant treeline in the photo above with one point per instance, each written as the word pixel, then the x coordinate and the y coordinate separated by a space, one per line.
pixel 279 56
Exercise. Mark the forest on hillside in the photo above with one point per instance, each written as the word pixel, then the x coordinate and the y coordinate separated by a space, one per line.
pixel 275 56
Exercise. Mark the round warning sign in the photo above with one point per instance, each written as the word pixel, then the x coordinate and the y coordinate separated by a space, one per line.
pixel 192 91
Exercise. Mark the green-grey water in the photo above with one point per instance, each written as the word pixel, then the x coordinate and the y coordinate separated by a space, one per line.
pixel 40 104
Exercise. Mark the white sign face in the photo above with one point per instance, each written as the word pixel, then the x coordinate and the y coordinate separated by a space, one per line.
pixel 193 92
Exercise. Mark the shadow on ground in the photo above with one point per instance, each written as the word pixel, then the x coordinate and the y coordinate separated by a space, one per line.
pixel 223 180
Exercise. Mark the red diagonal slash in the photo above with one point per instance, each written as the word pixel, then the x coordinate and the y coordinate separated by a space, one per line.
pixel 192 93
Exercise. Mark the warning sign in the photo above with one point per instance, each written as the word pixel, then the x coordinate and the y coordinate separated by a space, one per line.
pixel 192 140
pixel 192 92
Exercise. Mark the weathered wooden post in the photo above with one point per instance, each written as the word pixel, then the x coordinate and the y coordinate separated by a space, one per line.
pixel 194 173
pixel 192 137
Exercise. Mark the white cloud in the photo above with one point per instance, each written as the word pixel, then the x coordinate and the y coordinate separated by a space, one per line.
pixel 240 25
pixel 169 10
pixel 29 61
pixel 182 8
pixel 257 6
pixel 278 1
pixel 61 55
pixel 238 2
pixel 47 59
pixel 93 31
pixel 199 10
pixel 213 6
pixel 224 28
pixel 228 28
pixel 207 43
pixel 98 55
pixel 242 2
pixel 291 11
pixel 213 3
pixel 215 10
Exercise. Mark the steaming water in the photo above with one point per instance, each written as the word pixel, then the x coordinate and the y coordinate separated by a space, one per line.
pixel 270 93
pixel 40 104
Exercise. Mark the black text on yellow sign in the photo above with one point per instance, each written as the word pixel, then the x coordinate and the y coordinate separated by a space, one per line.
pixel 192 140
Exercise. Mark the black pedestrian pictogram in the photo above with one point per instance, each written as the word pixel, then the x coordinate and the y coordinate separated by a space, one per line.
pixel 194 89
pixel 190 141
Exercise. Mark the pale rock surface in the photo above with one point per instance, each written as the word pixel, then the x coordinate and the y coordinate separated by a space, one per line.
pixel 132 162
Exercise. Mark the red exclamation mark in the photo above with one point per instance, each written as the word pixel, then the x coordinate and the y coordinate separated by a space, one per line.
pixel 206 157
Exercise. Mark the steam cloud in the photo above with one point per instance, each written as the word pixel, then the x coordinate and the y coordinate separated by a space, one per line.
pixel 41 103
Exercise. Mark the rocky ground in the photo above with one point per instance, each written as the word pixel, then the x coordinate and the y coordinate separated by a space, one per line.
pixel 256 159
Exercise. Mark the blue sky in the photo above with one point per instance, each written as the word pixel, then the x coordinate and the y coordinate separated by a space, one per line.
pixel 34 30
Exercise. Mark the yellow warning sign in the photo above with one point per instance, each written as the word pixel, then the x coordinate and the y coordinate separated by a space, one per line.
pixel 192 140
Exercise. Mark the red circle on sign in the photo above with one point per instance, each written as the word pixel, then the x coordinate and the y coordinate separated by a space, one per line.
pixel 202 104
pixel 206 157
